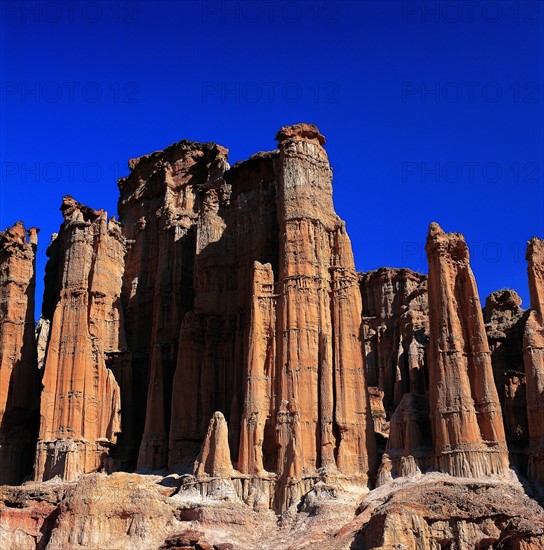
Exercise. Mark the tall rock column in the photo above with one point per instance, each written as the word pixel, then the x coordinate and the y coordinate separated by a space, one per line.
pixel 159 208
pixel 80 402
pixel 464 406
pixel 324 416
pixel 533 349
pixel 260 388
pixel 19 375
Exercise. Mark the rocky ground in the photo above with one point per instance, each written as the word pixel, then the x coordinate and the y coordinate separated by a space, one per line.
pixel 144 512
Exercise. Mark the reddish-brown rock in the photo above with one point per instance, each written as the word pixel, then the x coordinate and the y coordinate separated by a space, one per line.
pixel 322 407
pixel 80 402
pixel 236 228
pixel 214 457
pixel 160 204
pixel 409 447
pixel 274 341
pixel 504 324
pixel 19 375
pixel 533 347
pixel 396 329
pixel 465 412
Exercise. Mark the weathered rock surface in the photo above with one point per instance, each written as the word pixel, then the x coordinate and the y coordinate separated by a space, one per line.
pixel 80 402
pixel 437 511
pixel 160 206
pixel 533 347
pixel 262 371
pixel 409 447
pixel 465 412
pixel 19 375
pixel 214 458
pixel 148 511
pixel 396 329
pixel 504 324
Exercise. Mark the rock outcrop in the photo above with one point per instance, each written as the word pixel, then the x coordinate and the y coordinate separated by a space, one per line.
pixel 396 329
pixel 504 324
pixel 409 447
pixel 465 412
pixel 437 512
pixel 533 347
pixel 236 228
pixel 160 206
pixel 220 342
pixel 80 402
pixel 19 375
pixel 323 418
pixel 214 458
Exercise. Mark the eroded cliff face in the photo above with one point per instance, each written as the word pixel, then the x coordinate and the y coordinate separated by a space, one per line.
pixel 396 328
pixel 533 348
pixel 504 324
pixel 161 205
pixel 19 375
pixel 80 401
pixel 262 372
pixel 324 415
pixel 465 412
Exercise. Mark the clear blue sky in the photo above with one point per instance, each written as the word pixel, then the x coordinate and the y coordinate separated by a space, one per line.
pixel 433 111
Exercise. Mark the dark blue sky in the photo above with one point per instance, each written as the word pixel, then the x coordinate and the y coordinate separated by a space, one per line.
pixel 433 111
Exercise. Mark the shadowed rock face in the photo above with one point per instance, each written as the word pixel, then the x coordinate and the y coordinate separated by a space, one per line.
pixel 396 328
pixel 464 406
pixel 19 375
pixel 533 348
pixel 504 324
pixel 241 296
pixel 80 401
pixel 161 204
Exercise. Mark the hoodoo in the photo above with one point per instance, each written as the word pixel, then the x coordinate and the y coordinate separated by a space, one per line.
pixel 19 375
pixel 80 402
pixel 533 345
pixel 465 412
pixel 214 361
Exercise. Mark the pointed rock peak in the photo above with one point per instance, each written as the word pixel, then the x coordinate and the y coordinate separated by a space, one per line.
pixel 435 229
pixel 214 457
pixel 301 132
pixel 15 233
pixel 447 244
pixel 535 268
pixel 71 209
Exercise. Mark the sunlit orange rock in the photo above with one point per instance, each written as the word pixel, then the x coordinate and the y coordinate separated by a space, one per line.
pixel 533 347
pixel 80 402
pixel 465 412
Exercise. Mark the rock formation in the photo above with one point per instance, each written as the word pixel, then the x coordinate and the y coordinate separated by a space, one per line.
pixel 504 325
pixel 324 413
pixel 409 447
pixel 396 328
pixel 159 208
pixel 19 377
pixel 465 413
pixel 214 458
pixel 236 228
pixel 533 347
pixel 219 340
pixel 80 402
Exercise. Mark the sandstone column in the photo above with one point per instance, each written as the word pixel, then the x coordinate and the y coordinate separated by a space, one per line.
pixel 533 348
pixel 324 419
pixel 464 407
pixel 159 208
pixel 80 402
pixel 19 375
